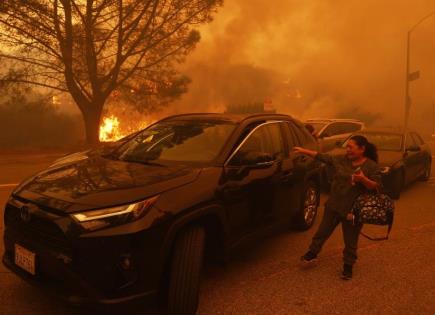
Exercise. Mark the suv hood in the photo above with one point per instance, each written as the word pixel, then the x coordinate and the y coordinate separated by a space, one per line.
pixel 97 182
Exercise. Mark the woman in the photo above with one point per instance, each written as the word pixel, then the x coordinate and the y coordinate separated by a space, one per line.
pixel 355 172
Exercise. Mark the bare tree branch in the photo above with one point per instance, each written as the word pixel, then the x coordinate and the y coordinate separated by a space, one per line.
pixel 92 47
pixel 35 83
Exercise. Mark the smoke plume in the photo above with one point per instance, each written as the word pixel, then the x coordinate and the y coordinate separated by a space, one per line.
pixel 314 58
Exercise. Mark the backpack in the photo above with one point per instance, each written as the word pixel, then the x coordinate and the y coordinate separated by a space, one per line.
pixel 374 208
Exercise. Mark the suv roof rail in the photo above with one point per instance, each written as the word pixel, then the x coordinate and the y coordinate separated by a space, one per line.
pixel 334 120
pixel 238 117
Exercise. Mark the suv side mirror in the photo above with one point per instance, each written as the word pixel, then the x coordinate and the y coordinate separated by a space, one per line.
pixel 413 148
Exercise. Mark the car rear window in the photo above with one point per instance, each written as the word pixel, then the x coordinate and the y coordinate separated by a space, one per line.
pixel 418 140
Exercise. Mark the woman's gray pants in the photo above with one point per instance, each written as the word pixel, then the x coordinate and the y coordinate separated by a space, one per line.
pixel 351 232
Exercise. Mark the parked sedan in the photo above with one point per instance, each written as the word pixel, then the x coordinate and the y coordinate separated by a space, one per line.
pixel 110 226
pixel 329 131
pixel 403 156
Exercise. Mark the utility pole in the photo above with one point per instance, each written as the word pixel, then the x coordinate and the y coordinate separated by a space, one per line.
pixel 407 97
pixel 411 76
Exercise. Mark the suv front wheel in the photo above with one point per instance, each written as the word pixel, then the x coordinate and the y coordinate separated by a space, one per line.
pixel 308 206
pixel 186 268
pixel 427 172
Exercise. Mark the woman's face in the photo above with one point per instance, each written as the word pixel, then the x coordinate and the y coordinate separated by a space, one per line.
pixel 353 150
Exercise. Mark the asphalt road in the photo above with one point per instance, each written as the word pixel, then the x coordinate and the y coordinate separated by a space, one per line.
pixel 392 277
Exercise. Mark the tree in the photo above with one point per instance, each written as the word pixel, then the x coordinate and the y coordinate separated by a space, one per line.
pixel 90 48
pixel 30 119
pixel 149 95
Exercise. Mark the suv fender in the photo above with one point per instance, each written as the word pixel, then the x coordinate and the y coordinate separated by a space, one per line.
pixel 211 217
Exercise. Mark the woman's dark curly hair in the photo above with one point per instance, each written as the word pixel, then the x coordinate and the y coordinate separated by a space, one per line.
pixel 370 150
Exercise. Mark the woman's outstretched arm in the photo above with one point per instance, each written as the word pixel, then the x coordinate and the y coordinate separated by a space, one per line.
pixel 306 151
pixel 325 158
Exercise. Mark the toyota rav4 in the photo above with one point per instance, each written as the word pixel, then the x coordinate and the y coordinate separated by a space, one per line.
pixel 113 225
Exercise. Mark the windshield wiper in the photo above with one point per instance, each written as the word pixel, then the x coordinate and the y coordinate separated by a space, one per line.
pixel 112 155
pixel 145 162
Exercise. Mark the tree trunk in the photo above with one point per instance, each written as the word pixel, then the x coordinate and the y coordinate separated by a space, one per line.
pixel 91 118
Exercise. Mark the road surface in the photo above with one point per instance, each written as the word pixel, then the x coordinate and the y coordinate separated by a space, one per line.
pixel 392 277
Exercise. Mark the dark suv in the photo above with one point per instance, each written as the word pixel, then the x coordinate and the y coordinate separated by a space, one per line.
pixel 109 226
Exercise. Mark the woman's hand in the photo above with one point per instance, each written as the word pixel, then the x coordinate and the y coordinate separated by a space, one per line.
pixel 299 150
pixel 359 177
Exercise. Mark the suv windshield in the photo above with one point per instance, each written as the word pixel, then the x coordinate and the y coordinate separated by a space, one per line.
pixel 384 141
pixel 187 141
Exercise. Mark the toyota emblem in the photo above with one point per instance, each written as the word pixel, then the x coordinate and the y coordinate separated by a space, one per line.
pixel 25 214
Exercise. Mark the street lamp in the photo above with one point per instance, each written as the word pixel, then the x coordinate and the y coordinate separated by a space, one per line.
pixel 414 75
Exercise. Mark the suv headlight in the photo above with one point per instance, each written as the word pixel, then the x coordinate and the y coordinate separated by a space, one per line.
pixel 97 219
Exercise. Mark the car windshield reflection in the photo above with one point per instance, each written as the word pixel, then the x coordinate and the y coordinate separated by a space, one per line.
pixel 184 141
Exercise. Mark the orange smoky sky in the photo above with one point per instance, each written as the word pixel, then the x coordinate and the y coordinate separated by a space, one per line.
pixel 315 58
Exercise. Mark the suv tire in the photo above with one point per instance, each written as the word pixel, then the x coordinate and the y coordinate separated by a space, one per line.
pixel 398 184
pixel 186 268
pixel 308 206
pixel 427 172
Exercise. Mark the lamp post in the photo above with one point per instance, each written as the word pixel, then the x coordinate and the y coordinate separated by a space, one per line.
pixel 414 75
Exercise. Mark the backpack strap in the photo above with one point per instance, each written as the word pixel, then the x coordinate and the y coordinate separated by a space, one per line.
pixel 378 238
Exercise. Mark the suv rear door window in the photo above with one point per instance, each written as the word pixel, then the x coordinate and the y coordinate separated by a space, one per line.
pixel 293 139
pixel 276 143
pixel 306 136
pixel 301 134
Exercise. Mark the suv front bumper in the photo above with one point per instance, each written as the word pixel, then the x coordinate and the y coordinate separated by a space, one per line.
pixel 77 283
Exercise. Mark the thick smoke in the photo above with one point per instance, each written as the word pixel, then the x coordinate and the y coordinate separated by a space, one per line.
pixel 314 58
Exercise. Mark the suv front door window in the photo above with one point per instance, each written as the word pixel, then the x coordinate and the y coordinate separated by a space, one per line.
pixel 264 141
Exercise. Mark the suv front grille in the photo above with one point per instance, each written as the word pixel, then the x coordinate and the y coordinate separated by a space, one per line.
pixel 39 229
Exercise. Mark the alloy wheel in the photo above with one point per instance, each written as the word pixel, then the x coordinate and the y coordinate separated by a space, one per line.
pixel 310 205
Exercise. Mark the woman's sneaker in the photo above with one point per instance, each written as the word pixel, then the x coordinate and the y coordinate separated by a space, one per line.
pixel 347 272
pixel 309 257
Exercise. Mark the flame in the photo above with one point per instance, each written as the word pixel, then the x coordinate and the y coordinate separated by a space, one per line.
pixel 109 129
pixel 113 129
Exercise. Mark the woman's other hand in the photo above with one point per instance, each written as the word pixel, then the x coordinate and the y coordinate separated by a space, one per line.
pixel 359 177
